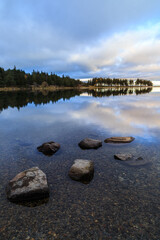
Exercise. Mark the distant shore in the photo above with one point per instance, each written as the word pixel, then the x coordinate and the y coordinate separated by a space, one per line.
pixel 54 88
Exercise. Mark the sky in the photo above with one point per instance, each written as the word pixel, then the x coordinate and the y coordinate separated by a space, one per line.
pixel 82 39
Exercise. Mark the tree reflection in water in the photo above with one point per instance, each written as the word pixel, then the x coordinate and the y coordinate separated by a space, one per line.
pixel 22 98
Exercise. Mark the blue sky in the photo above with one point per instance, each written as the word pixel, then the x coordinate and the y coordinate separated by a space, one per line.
pixel 83 39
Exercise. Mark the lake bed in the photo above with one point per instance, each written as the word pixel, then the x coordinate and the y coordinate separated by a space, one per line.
pixel 121 201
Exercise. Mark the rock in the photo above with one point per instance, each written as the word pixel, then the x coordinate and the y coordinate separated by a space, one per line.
pixel 138 162
pixel 119 140
pixel 28 185
pixel 49 148
pixel 123 156
pixel 131 160
pixel 89 143
pixel 82 170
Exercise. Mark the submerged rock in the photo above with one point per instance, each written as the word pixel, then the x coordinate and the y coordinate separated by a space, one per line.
pixel 49 148
pixel 138 162
pixel 123 156
pixel 28 185
pixel 119 140
pixel 82 170
pixel 89 143
pixel 131 160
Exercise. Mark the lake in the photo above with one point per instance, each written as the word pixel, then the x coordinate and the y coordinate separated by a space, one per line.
pixel 121 201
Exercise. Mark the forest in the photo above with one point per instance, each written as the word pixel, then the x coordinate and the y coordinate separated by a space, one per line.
pixel 119 82
pixel 18 78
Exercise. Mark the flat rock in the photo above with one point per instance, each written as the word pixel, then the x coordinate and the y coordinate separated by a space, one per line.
pixel 49 148
pixel 82 170
pixel 119 140
pixel 89 143
pixel 123 156
pixel 28 185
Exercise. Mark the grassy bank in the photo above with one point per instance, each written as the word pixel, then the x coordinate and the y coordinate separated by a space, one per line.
pixel 53 88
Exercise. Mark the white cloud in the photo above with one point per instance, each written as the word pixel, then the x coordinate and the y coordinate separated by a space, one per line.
pixel 131 53
pixel 81 38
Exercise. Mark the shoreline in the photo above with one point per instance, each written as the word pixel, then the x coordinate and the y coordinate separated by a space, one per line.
pixel 53 88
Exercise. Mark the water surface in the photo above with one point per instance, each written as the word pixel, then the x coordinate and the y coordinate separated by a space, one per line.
pixel 121 201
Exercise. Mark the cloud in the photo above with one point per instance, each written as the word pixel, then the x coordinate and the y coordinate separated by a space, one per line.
pixel 128 53
pixel 81 38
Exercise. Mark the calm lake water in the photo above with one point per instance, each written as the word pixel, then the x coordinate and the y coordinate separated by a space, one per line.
pixel 121 201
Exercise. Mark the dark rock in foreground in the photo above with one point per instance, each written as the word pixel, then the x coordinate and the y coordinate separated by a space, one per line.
pixel 119 140
pixel 89 143
pixel 28 185
pixel 82 170
pixel 49 148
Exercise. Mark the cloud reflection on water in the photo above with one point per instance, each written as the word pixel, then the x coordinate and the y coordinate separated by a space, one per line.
pixel 123 115
pixel 119 115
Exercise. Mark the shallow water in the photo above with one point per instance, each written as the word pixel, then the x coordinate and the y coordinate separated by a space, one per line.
pixel 121 201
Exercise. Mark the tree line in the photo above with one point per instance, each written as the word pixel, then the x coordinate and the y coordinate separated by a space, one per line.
pixel 18 78
pixel 118 82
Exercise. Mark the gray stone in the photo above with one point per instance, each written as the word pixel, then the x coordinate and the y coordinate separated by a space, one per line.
pixel 119 140
pixel 49 148
pixel 89 143
pixel 82 170
pixel 28 185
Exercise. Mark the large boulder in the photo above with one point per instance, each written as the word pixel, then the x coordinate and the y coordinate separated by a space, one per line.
pixel 82 170
pixel 89 143
pixel 119 140
pixel 49 148
pixel 28 185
